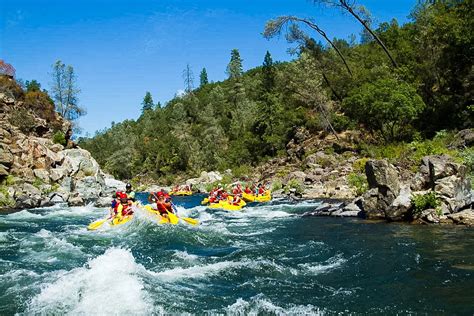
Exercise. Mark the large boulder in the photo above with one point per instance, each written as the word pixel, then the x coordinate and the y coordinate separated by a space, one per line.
pixel 455 192
pixel 204 178
pixel 401 206
pixel 440 166
pixel 465 217
pixel 464 138
pixel 383 176
pixel 28 196
pixel 384 188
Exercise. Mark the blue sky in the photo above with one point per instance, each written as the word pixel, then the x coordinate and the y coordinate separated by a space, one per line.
pixel 121 49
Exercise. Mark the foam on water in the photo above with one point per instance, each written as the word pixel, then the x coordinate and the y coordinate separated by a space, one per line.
pixel 44 246
pixel 329 265
pixel 185 256
pixel 108 284
pixel 259 304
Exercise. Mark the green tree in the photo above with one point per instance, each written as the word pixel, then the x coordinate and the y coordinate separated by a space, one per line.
pixel 32 86
pixel 234 68
pixel 203 77
pixel 387 106
pixel 147 103
pixel 268 73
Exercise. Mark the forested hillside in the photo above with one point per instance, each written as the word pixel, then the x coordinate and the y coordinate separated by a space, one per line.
pixel 251 116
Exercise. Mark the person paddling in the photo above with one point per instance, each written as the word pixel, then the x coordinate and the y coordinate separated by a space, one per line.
pixel 163 206
pixel 129 192
pixel 236 200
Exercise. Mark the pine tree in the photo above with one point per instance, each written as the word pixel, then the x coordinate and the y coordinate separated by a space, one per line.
pixel 268 73
pixel 147 102
pixel 234 68
pixel 203 77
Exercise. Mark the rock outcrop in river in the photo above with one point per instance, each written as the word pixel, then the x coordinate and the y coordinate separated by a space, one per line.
pixel 34 171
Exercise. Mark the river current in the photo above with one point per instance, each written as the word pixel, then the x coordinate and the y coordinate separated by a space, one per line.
pixel 263 260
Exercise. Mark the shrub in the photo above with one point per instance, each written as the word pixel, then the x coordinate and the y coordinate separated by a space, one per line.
pixel 359 182
pixel 294 184
pixel 9 180
pixel 5 199
pixel 276 185
pixel 23 120
pixel 59 138
pixel 38 183
pixel 423 202
pixel 359 165
pixel 242 171
pixel 11 88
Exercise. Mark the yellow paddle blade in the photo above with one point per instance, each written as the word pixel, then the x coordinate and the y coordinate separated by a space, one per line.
pixel 95 225
pixel 173 218
pixel 189 220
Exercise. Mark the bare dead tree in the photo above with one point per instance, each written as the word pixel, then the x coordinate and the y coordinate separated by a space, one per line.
pixel 357 12
pixel 275 27
pixel 188 77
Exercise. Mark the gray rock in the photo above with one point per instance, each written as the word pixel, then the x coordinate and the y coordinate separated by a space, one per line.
pixel 57 174
pixel 56 198
pixel 372 206
pixel 115 185
pixel 350 214
pixel 401 205
pixel 6 158
pixel 103 201
pixel 455 192
pixel 352 207
pixel 441 166
pixel 463 139
pixel 88 188
pixel 383 176
pixel 465 217
pixel 42 174
pixel 3 171
pixel 75 201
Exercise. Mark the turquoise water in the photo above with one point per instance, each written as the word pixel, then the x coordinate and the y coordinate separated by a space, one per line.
pixel 264 260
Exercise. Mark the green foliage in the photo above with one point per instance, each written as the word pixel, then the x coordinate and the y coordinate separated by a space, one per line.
pixel 242 171
pixel 242 122
pixel 53 188
pixel 387 106
pixel 5 199
pixel 234 69
pixel 32 86
pixel 423 202
pixel 294 184
pixel 9 180
pixel 58 138
pixel 359 165
pixel 203 80
pixel 358 181
pixel 11 88
pixel 38 183
pixel 276 185
pixel 22 119
pixel 147 103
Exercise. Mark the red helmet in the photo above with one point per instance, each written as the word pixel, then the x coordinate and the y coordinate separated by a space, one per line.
pixel 159 193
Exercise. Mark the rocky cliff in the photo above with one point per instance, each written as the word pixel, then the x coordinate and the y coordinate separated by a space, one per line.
pixel 34 171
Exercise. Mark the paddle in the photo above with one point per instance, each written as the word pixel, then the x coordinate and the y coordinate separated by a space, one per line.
pixel 188 220
pixel 95 225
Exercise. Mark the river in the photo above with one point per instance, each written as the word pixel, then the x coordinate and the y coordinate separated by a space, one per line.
pixel 263 260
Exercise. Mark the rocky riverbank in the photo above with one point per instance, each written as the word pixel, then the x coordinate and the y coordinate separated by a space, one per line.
pixel 35 171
